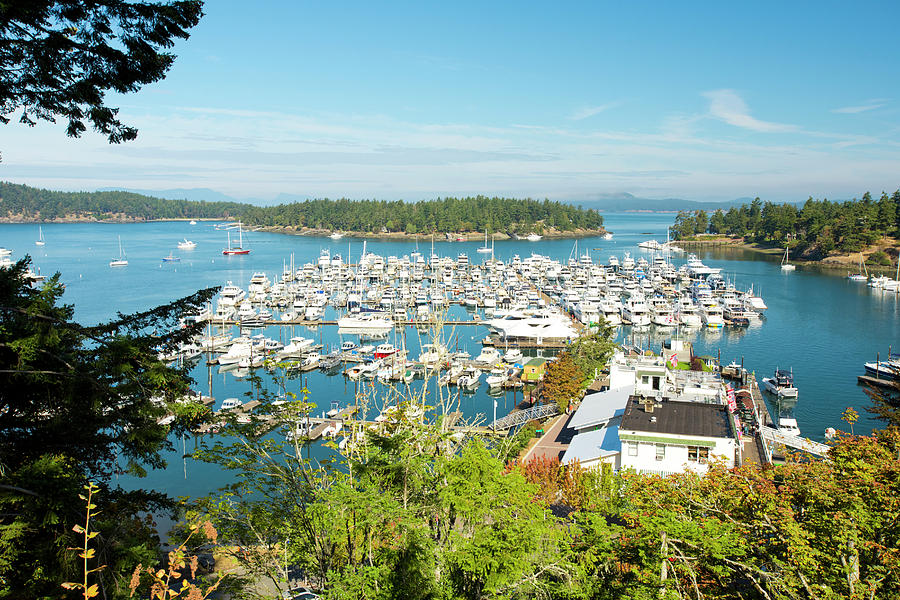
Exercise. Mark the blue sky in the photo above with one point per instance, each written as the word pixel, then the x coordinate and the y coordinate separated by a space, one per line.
pixel 704 101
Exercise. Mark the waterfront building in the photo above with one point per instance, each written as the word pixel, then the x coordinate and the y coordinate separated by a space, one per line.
pixel 673 436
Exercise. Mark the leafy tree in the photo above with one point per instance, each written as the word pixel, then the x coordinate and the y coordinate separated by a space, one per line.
pixel 592 352
pixel 59 58
pixel 563 381
pixel 80 404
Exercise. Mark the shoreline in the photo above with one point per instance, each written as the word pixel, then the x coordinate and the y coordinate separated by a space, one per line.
pixel 471 236
pixel 832 262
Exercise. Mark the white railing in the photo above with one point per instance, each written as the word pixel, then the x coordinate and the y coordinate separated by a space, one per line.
pixel 770 434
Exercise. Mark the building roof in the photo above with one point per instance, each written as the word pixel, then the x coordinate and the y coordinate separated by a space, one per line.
pixel 672 417
pixel 590 446
pixel 601 407
pixel 536 362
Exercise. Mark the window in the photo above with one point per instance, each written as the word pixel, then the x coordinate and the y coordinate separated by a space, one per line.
pixel 698 454
pixel 632 448
pixel 645 379
pixel 656 383
pixel 660 452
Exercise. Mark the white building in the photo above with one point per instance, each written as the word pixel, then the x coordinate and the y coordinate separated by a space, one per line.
pixel 597 424
pixel 653 420
pixel 674 436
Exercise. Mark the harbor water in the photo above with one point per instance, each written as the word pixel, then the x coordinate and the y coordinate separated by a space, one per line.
pixel 820 324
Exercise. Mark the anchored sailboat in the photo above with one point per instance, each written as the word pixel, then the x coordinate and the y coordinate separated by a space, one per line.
pixel 40 240
pixel 122 261
pixel 239 249
pixel 485 249
pixel 785 264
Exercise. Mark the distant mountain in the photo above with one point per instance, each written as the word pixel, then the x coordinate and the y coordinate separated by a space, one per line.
pixel 193 194
pixel 624 202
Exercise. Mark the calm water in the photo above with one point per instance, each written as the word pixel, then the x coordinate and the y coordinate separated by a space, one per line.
pixel 823 326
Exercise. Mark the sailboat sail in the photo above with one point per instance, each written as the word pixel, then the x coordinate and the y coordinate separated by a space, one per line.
pixel 122 261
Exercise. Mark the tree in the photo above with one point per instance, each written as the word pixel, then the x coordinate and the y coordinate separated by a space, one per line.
pixel 563 381
pixel 59 58
pixel 592 352
pixel 79 404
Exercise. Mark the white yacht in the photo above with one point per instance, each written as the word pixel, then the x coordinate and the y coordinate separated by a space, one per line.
pixel 635 311
pixel 661 313
pixel 238 350
pixel 712 315
pixel 489 355
pixel 366 321
pixel 534 324
pixel 186 244
pixel 231 294
pixel 297 346
pixel 782 383
pixel 687 313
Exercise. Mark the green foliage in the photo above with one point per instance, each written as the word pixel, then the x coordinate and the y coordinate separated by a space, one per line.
pixel 591 352
pixel 563 381
pixel 79 404
pixel 25 202
pixel 419 512
pixel 59 58
pixel 364 216
pixel 817 229
pixel 879 258
pixel 442 215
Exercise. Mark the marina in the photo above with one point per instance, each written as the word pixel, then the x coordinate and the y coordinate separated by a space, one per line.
pixel 810 337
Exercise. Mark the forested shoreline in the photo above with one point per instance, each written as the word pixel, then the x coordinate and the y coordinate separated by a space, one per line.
pixel 814 231
pixel 22 203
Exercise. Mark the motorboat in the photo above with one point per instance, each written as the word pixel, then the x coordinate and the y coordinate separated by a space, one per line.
pixel 186 244
pixel 634 310
pixel 366 321
pixel 513 356
pixel 781 384
pixel 230 403
pixel 885 369
pixel 296 347
pixel 385 350
pixel 489 355
pixel 787 426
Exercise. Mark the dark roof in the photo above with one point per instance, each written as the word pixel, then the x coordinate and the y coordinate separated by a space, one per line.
pixel 679 418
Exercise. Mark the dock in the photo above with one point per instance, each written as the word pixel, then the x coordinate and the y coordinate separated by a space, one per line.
pixel 878 382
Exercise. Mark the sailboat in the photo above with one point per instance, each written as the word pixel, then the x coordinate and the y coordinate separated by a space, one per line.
pixel 239 249
pixel 859 276
pixel 485 249
pixel 785 264
pixel 40 240
pixel 121 261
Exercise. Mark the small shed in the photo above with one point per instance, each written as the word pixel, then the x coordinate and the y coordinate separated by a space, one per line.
pixel 534 369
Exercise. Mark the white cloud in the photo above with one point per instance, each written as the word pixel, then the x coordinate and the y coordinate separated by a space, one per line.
pixel 869 105
pixel 727 106
pixel 249 153
pixel 590 111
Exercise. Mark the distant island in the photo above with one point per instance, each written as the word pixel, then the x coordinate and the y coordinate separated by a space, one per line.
pixel 465 217
pixel 831 233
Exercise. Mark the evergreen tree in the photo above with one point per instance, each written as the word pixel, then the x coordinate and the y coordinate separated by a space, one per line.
pixel 80 404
